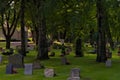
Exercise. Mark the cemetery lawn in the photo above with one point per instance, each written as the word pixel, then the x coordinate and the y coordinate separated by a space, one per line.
pixel 89 68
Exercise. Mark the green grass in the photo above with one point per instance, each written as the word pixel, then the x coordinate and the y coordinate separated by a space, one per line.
pixel 89 68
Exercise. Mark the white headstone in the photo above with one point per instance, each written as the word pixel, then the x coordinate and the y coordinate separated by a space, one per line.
pixel 28 69
pixel 108 63
pixel 49 72
pixel 75 72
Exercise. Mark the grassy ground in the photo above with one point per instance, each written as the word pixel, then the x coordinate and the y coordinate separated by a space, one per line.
pixel 90 69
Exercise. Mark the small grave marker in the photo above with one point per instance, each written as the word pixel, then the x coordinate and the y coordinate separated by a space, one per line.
pixel 9 68
pixel 64 60
pixel 28 69
pixel 75 72
pixel 49 72
pixel 37 65
pixel 108 63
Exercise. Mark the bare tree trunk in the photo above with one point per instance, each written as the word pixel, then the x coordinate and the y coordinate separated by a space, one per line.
pixel 23 45
pixel 42 42
pixel 101 43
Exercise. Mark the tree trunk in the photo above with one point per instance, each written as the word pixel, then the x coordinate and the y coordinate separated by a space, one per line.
pixel 23 45
pixel 101 43
pixel 42 42
pixel 8 39
pixel 78 50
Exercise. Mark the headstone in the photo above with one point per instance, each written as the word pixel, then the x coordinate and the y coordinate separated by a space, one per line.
pixel 0 58
pixel 28 69
pixel 49 72
pixel 37 65
pixel 64 60
pixel 73 78
pixel 16 60
pixel 108 63
pixel 75 72
pixel 9 68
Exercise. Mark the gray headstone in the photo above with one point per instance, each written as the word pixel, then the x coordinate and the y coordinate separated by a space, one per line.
pixel 73 78
pixel 28 69
pixel 0 58
pixel 16 60
pixel 108 63
pixel 49 72
pixel 37 65
pixel 9 68
pixel 75 72
pixel 64 60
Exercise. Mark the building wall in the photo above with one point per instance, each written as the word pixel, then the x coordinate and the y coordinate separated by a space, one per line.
pixel 16 35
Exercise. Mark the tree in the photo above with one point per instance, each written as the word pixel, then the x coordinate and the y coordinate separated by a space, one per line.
pixel 22 16
pixel 101 43
pixel 39 22
pixel 9 19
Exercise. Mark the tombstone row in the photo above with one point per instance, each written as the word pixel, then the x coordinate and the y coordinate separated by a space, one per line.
pixel 28 70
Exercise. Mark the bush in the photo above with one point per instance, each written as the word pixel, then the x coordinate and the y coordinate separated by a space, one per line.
pixel 8 51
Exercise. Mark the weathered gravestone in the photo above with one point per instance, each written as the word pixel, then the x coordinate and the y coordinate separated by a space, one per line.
pixel 75 72
pixel 0 58
pixel 49 72
pixel 64 60
pixel 73 78
pixel 108 63
pixel 28 69
pixel 37 65
pixel 16 60
pixel 9 68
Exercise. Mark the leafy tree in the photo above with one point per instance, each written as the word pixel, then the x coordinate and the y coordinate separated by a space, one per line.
pixel 9 19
